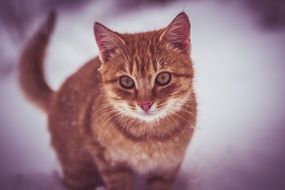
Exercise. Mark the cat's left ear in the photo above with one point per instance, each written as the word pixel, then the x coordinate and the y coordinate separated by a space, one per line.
pixel 177 33
pixel 107 40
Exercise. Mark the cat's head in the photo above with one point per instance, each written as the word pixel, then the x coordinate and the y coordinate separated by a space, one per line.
pixel 147 76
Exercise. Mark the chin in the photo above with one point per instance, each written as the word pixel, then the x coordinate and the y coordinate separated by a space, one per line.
pixel 149 117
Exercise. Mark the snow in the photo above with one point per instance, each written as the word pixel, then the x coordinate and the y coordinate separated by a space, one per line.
pixel 239 83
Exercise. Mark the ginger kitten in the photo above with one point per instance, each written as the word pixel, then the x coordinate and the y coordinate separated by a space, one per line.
pixel 130 111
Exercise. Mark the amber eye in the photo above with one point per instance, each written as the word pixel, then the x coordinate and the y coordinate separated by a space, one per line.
pixel 127 82
pixel 163 78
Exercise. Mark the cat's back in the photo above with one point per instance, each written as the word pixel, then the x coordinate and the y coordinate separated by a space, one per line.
pixel 72 102
pixel 69 114
pixel 83 81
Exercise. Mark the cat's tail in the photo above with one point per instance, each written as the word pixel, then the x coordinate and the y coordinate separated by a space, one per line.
pixel 31 72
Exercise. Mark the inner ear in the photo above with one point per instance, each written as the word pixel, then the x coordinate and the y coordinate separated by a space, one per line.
pixel 177 33
pixel 107 40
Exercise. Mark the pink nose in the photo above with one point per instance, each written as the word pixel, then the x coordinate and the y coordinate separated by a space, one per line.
pixel 145 105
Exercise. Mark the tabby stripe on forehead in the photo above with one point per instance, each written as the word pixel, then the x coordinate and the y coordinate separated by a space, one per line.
pixel 154 65
pixel 151 53
pixel 131 67
pixel 182 75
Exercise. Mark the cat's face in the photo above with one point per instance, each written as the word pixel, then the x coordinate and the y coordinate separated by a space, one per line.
pixel 147 76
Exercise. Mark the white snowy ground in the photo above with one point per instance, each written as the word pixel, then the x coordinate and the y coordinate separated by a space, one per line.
pixel 240 74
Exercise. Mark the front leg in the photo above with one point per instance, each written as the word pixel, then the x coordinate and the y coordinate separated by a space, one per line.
pixel 115 177
pixel 161 180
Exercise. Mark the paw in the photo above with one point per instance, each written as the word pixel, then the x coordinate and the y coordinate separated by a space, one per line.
pixel 101 188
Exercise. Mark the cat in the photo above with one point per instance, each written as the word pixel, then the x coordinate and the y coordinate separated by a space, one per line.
pixel 129 111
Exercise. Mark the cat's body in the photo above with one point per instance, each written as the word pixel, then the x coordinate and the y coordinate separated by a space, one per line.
pixel 95 143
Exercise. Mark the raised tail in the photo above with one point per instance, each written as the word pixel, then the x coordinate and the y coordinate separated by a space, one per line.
pixel 31 72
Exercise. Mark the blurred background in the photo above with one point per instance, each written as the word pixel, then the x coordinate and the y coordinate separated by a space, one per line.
pixel 238 49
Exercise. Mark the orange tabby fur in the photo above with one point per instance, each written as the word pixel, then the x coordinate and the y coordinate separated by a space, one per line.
pixel 95 139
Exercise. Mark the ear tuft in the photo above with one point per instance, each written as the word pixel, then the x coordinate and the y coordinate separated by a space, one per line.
pixel 107 41
pixel 177 33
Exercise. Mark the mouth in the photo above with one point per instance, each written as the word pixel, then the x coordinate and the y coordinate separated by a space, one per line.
pixel 150 116
pixel 149 113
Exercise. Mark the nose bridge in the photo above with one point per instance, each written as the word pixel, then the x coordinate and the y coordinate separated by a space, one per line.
pixel 145 90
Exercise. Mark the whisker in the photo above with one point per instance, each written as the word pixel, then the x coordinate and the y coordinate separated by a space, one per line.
pixel 189 112
pixel 103 114
pixel 190 124
pixel 110 118
pixel 104 106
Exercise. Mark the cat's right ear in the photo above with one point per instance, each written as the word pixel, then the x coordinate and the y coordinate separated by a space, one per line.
pixel 107 41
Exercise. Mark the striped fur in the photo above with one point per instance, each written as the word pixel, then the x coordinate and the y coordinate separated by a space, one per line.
pixel 100 134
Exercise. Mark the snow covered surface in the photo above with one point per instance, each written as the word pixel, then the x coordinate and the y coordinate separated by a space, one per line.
pixel 240 74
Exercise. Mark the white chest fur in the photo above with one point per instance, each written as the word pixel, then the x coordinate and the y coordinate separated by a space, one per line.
pixel 147 157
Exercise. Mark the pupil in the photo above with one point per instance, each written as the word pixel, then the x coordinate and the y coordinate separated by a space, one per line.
pixel 163 78
pixel 128 82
